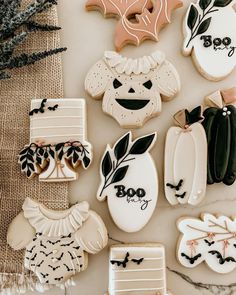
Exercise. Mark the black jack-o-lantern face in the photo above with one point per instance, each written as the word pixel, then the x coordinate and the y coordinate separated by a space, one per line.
pixel 132 97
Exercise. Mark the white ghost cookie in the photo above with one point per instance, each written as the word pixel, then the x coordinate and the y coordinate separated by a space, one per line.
pixel 57 243
pixel 211 239
pixel 210 37
pixel 132 89
pixel 129 181
pixel 137 269
pixel 58 143
pixel 186 159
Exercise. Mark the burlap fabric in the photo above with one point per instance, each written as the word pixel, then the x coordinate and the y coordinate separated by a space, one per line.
pixel 42 80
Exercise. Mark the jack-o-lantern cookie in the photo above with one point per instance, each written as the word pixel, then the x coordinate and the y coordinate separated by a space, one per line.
pixel 58 143
pixel 57 243
pixel 220 127
pixel 211 239
pixel 210 37
pixel 132 89
pixel 137 20
pixel 129 181
pixel 186 159
pixel 137 269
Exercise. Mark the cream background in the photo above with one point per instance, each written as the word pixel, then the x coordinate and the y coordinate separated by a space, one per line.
pixel 87 35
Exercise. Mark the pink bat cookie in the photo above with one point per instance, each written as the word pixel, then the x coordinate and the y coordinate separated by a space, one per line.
pixel 138 20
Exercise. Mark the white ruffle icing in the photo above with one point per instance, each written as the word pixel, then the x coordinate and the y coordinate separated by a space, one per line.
pixel 142 65
pixel 55 223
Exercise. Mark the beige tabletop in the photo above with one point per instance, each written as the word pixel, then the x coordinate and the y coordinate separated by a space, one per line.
pixel 87 35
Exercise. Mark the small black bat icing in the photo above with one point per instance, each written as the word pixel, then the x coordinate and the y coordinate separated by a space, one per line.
pixel 46 253
pixel 123 263
pixel 31 250
pixel 67 267
pixel 72 257
pixel 32 258
pixel 53 108
pixel 191 259
pixel 176 187
pixel 222 260
pixel 39 264
pixel 64 237
pixel 44 275
pixel 58 279
pixel 42 245
pixel 53 243
pixel 181 196
pixel 76 248
pixel 60 257
pixel 40 110
pixel 138 261
pixel 67 245
pixel 209 243
pixel 54 268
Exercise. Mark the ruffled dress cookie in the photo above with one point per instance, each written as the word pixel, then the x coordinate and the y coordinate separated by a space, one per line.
pixel 57 243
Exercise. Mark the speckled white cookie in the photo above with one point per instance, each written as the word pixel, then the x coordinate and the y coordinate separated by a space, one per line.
pixel 132 89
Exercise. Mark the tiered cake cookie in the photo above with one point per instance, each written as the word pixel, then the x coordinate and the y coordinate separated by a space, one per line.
pixel 57 243
pixel 58 143
pixel 133 89
pixel 129 181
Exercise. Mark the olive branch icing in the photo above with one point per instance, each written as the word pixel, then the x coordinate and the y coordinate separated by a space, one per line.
pixel 113 165
pixel 35 157
pixel 199 17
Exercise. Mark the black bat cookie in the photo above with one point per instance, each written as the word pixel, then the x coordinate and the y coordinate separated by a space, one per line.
pixel 191 259
pixel 222 260
pixel 209 243
pixel 123 263
pixel 176 187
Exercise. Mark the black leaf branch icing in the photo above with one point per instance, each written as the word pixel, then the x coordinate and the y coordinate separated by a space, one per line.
pixel 35 156
pixel 194 116
pixel 114 170
pixel 199 22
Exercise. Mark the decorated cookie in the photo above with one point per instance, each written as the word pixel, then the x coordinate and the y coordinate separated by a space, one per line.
pixel 137 269
pixel 129 181
pixel 137 20
pixel 220 127
pixel 58 143
pixel 186 159
pixel 132 89
pixel 211 44
pixel 211 239
pixel 57 243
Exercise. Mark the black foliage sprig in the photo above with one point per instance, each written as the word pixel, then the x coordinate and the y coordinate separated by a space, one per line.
pixel 115 170
pixel 16 25
pixel 35 156
pixel 199 23
pixel 194 116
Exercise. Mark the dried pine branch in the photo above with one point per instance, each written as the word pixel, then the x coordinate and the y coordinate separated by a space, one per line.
pixel 16 25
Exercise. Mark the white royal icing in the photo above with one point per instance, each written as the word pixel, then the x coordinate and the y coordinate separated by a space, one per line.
pixel 186 164
pixel 214 48
pixel 211 239
pixel 132 196
pixel 132 89
pixel 142 269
